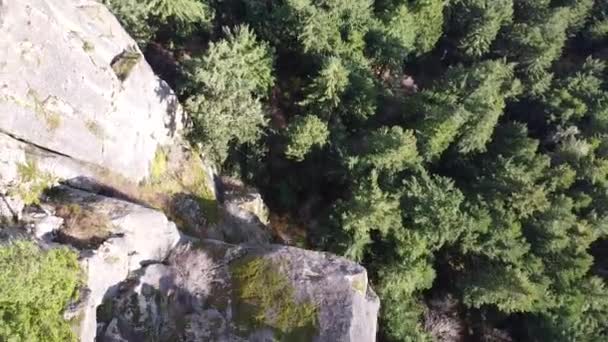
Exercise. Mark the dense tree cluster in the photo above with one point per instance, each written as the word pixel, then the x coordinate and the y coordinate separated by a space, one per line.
pixel 454 147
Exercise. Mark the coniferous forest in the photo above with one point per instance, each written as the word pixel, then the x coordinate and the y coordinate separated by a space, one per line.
pixel 458 149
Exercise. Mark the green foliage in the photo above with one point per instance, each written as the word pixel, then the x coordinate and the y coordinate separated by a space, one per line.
pixel 535 43
pixel 509 288
pixel 185 11
pixel 597 28
pixel 369 210
pixel 303 134
pixel 230 80
pixel 580 96
pixel 432 213
pixel 464 146
pixel 390 150
pixel 265 298
pixel 35 288
pixel 581 315
pixel 317 27
pixel 143 19
pixel 415 25
pixel 32 182
pixel 400 310
pixel 325 91
pixel 465 107
pixel 478 22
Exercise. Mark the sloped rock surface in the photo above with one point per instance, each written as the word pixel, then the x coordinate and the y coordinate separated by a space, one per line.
pixel 193 297
pixel 134 237
pixel 60 94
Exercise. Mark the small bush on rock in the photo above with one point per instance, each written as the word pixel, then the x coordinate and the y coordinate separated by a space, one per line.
pixel 35 287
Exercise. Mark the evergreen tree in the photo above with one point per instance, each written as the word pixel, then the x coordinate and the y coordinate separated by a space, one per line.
pixel 391 150
pixel 476 24
pixel 537 38
pixel 464 107
pixel 230 79
pixel 303 134
pixel 144 18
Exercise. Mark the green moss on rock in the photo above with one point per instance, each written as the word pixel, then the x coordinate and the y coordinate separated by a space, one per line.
pixel 264 298
pixel 158 167
pixel 124 63
pixel 189 179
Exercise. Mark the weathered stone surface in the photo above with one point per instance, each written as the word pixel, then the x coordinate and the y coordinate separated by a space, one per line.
pixel 244 199
pixel 192 297
pixel 10 207
pixel 14 153
pixel 58 92
pixel 136 237
pixel 43 225
pixel 245 215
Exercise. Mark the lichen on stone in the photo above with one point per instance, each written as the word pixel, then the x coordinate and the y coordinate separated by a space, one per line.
pixel 359 285
pixel 125 61
pixel 264 298
pixel 52 119
pixel 95 129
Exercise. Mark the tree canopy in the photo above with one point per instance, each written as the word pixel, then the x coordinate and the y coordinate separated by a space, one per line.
pixel 455 148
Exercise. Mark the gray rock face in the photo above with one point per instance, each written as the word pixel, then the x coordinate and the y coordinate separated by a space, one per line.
pixel 245 219
pixel 194 296
pixel 135 236
pixel 59 93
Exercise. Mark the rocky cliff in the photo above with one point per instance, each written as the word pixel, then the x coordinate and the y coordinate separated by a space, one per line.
pixel 92 157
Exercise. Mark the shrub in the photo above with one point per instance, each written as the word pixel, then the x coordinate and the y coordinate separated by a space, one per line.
pixel 32 182
pixel 35 287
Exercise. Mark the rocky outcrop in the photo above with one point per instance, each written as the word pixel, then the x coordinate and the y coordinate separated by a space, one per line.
pixel 245 217
pixel 123 238
pixel 74 87
pixel 213 291
pixel 80 105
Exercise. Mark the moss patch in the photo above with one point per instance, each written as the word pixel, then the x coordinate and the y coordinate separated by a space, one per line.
pixel 32 182
pixel 169 180
pixel 265 298
pixel 189 179
pixel 159 165
pixel 124 63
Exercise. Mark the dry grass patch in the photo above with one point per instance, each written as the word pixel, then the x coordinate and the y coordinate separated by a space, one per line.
pixel 83 227
pixel 170 181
